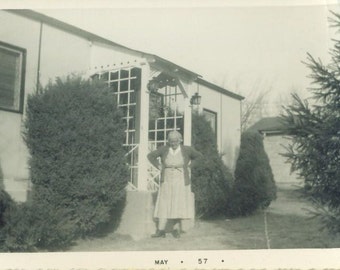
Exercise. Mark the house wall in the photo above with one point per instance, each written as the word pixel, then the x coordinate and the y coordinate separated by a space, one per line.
pixel 61 54
pixel 231 130
pixel 274 145
pixel 23 33
pixel 228 122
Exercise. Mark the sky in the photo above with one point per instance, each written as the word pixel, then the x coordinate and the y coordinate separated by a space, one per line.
pixel 241 47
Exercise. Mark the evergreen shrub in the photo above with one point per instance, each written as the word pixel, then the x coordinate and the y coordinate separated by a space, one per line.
pixel 34 227
pixel 314 126
pixel 6 204
pixel 254 186
pixel 211 179
pixel 74 133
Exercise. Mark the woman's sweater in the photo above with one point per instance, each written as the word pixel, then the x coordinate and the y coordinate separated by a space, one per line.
pixel 189 154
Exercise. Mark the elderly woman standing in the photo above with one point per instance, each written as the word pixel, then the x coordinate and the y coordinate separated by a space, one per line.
pixel 174 196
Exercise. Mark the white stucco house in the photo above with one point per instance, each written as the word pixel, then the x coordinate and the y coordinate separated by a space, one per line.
pixel 35 48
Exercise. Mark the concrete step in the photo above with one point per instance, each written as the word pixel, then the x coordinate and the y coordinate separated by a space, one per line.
pixel 137 219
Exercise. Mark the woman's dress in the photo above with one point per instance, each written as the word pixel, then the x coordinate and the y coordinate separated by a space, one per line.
pixel 175 199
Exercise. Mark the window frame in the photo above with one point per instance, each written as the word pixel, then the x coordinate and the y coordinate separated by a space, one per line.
pixel 23 53
pixel 215 122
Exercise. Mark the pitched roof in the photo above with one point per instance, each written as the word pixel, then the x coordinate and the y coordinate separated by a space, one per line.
pixel 34 15
pixel 269 125
pixel 219 89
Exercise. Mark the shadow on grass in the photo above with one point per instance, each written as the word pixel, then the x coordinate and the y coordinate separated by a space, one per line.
pixel 288 227
pixel 285 232
pixel 244 232
pixel 292 193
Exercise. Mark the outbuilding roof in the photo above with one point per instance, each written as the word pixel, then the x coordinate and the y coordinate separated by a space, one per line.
pixel 269 125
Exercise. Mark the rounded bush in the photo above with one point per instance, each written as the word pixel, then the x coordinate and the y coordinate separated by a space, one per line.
pixel 254 186
pixel 74 133
pixel 37 227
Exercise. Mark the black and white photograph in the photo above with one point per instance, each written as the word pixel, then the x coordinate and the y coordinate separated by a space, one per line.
pixel 203 134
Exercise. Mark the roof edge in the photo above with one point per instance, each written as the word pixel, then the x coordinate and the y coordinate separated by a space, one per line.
pixel 31 14
pixel 176 67
pixel 219 89
pixel 34 15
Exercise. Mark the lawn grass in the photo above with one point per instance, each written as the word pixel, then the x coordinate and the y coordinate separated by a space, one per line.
pixel 288 222
pixel 291 224
pixel 292 231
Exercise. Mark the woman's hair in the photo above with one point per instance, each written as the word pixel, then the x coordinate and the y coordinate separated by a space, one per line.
pixel 175 135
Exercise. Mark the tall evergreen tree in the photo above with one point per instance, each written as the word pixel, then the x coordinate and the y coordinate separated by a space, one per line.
pixel 315 130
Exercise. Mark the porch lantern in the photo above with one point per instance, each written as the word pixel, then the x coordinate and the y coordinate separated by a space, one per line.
pixel 195 99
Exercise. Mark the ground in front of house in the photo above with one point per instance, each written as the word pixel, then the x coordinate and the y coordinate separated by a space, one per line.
pixel 286 224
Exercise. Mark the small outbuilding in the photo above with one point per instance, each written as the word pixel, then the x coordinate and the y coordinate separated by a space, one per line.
pixel 275 140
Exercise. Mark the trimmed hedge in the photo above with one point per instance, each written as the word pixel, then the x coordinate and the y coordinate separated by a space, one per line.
pixel 211 179
pixel 74 132
pixel 254 186
pixel 34 227
pixel 6 204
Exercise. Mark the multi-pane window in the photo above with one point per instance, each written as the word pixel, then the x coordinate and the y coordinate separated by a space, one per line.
pixel 166 114
pixel 12 72
pixel 126 83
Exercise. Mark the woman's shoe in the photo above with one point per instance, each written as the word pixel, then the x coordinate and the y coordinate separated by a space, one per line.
pixel 176 234
pixel 159 234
